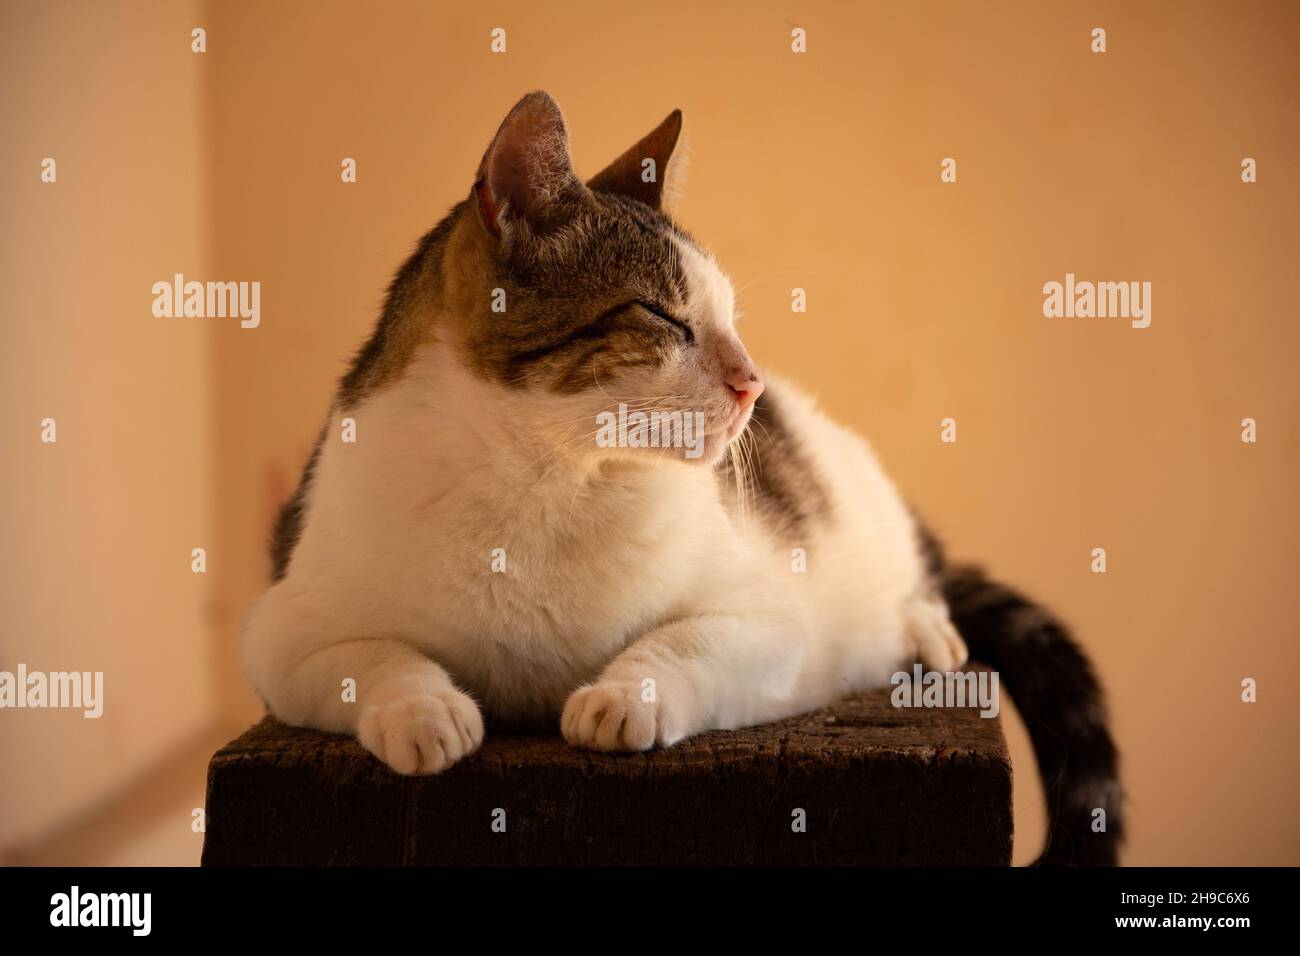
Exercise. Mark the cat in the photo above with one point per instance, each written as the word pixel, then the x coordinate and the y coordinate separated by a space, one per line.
pixel 474 551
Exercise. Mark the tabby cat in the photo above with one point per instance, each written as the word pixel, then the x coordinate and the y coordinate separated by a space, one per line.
pixel 476 552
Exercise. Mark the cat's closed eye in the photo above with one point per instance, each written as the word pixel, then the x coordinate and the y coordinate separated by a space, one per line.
pixel 688 334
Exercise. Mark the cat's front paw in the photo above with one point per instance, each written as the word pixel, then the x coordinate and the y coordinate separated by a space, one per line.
pixel 612 715
pixel 422 734
pixel 937 644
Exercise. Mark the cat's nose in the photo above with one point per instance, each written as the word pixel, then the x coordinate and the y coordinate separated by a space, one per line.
pixel 745 384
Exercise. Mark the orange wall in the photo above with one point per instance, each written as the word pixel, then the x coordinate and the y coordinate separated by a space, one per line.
pixel 96 530
pixel 819 171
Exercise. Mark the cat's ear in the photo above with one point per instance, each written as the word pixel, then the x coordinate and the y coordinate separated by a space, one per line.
pixel 526 174
pixel 647 171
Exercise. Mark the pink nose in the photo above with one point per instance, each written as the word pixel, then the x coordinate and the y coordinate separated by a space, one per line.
pixel 746 385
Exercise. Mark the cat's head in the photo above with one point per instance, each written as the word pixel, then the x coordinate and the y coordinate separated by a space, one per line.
pixel 586 296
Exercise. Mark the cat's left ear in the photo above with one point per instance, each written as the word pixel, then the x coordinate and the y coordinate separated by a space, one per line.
pixel 526 177
pixel 648 171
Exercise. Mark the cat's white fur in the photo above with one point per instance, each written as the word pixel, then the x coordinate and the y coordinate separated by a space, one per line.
pixel 634 603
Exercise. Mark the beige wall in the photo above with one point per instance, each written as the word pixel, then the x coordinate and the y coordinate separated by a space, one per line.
pixel 96 530
pixel 820 171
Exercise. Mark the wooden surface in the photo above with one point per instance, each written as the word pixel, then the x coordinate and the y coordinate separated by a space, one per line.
pixel 877 786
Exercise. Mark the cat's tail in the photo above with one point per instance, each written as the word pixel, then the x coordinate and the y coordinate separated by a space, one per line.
pixel 1061 702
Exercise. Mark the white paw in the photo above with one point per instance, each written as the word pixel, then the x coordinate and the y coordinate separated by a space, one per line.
pixel 937 644
pixel 612 715
pixel 422 734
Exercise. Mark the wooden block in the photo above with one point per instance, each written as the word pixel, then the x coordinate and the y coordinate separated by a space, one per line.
pixel 877 786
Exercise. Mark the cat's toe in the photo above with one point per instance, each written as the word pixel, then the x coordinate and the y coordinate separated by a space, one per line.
pixel 956 646
pixel 938 645
pixel 422 734
pixel 609 716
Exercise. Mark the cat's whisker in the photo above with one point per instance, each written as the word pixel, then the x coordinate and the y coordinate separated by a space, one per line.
pixel 567 441
pixel 768 275
pixel 743 470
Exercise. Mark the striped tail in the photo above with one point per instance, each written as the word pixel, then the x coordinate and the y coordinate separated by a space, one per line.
pixel 1061 701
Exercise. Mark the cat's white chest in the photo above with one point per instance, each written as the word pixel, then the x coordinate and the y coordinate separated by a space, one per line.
pixel 525 596
pixel 522 582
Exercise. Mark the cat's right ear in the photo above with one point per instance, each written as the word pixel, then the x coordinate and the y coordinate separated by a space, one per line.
pixel 649 171
pixel 526 177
